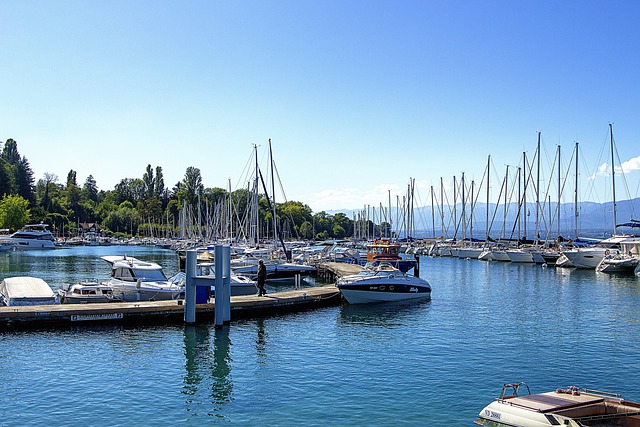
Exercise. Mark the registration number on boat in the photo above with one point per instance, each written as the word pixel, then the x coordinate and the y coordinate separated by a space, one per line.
pixel 89 317
pixel 491 414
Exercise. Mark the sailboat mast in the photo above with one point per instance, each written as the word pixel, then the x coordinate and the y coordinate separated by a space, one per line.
pixel 273 194
pixel 486 228
pixel 559 191
pixel 538 189
pixel 575 196
pixel 613 182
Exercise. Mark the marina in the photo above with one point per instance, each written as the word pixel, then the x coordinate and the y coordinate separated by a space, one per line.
pixel 486 324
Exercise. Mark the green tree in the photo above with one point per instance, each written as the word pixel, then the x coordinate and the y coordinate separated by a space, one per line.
pixel 306 230
pixel 14 212
pixel 90 189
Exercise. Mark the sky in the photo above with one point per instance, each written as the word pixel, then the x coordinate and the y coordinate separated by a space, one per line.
pixel 357 97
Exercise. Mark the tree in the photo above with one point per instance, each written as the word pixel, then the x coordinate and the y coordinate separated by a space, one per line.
pixel 14 212
pixel 306 230
pixel 191 187
pixel 90 189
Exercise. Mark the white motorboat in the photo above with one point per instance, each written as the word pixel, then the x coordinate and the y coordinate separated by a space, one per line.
pixel 381 284
pixel 517 407
pixel 26 291
pixel 34 236
pixel 276 269
pixel 624 262
pixel 136 280
pixel 240 285
pixel 86 291
pixel 590 257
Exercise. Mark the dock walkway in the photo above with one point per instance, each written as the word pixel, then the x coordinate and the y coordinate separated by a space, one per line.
pixel 329 271
pixel 165 311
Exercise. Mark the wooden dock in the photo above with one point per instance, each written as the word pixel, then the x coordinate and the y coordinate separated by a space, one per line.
pixel 153 312
pixel 329 271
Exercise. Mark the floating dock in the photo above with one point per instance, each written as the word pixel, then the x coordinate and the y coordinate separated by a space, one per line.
pixel 153 312
pixel 329 271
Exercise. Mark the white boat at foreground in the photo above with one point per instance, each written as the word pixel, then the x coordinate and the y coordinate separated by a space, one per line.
pixel 25 290
pixel 517 407
pixel 382 283
pixel 136 280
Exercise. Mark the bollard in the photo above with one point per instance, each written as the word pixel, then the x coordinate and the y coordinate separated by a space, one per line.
pixel 219 310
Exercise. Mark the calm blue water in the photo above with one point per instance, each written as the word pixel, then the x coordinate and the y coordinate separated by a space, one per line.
pixel 434 362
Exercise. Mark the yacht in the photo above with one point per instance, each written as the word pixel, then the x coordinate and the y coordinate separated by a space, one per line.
pixel 382 283
pixel 517 407
pixel 34 236
pixel 136 280
pixel 590 257
pixel 624 262
pixel 240 285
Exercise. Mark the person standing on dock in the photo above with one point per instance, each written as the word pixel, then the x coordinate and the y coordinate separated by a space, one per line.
pixel 262 277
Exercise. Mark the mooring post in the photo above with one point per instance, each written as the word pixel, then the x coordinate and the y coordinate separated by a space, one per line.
pixel 190 289
pixel 226 283
pixel 219 287
pixel 416 269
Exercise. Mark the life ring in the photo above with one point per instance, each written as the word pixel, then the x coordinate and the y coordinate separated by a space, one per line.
pixel 607 252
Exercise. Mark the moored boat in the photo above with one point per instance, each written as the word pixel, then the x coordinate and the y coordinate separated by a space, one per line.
pixel 136 280
pixel 34 237
pixel 86 291
pixel 25 290
pixel 383 250
pixel 517 407
pixel 382 283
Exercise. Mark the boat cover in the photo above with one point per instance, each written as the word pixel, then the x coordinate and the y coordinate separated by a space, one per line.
pixel 26 291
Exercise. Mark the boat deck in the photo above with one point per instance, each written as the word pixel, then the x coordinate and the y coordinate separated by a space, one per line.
pixel 552 401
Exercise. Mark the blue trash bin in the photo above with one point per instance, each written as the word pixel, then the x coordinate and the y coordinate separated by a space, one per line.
pixel 202 294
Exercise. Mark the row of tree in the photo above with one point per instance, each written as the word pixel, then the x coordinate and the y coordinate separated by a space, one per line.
pixel 145 207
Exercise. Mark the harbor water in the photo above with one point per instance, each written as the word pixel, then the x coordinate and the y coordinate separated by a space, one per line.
pixel 428 363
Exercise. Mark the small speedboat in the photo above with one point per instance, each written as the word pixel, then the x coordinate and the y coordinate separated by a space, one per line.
pixel 86 291
pixel 382 283
pixel 517 407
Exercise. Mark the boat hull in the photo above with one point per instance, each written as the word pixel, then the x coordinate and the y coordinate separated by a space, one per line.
pixel 367 294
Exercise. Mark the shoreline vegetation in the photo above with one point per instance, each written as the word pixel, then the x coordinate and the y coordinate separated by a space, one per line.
pixel 146 207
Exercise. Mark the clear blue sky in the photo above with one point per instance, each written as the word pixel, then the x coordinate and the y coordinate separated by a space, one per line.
pixel 357 96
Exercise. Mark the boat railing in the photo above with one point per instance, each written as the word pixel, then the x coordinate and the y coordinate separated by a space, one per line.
pixel 510 391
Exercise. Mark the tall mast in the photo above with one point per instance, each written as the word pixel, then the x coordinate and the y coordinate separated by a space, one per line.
pixel 538 190
pixel 613 183
pixel 575 195
pixel 273 194
pixel 486 228
pixel 559 191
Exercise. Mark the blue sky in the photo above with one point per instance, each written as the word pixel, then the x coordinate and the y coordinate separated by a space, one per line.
pixel 357 96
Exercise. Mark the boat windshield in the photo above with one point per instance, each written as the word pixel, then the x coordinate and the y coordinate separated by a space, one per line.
pixel 151 275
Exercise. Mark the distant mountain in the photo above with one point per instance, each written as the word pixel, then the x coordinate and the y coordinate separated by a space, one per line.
pixel 594 219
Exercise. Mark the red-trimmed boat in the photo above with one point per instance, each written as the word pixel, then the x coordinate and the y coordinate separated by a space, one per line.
pixel 383 250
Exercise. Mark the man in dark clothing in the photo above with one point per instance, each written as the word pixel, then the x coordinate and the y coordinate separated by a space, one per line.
pixel 262 277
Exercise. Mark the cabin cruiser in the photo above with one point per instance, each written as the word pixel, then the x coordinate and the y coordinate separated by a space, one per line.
pixel 591 256
pixel 382 283
pixel 517 407
pixel 86 291
pixel 240 284
pixel 136 280
pixel 34 236
pixel 624 262
pixel 383 250
pixel 15 291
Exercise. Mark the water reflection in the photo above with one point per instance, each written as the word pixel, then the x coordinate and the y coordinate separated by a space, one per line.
pixel 388 314
pixel 261 342
pixel 204 365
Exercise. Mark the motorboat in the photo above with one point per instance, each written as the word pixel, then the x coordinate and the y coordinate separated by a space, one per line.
pixel 6 244
pixel 624 262
pixel 590 257
pixel 383 250
pixel 34 236
pixel 25 290
pixel 382 283
pixel 86 291
pixel 276 269
pixel 517 407
pixel 240 284
pixel 136 280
